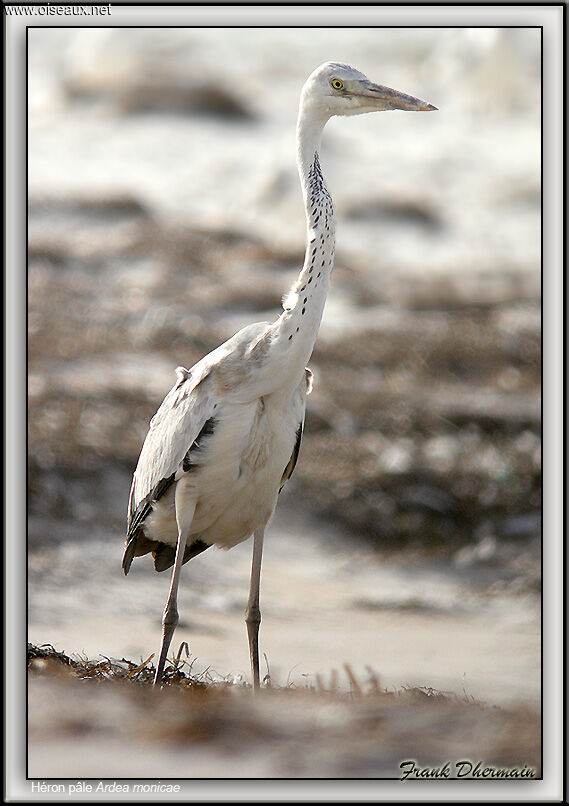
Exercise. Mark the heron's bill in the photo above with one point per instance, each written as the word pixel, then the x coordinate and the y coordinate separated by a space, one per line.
pixel 393 99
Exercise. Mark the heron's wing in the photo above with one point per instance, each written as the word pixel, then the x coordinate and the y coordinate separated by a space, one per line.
pixel 177 424
pixel 184 416
pixel 187 409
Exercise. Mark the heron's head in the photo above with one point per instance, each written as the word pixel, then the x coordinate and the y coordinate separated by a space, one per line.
pixel 338 89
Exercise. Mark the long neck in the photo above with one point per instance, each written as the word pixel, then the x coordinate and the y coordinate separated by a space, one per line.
pixel 304 304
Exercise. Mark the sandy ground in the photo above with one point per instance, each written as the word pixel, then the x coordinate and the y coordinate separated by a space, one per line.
pixel 414 623
pixel 222 732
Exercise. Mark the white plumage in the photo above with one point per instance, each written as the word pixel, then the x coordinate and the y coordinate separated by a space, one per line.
pixel 227 435
pixel 237 472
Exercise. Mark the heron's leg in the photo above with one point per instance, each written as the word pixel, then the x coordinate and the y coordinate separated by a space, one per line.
pixel 253 613
pixel 170 618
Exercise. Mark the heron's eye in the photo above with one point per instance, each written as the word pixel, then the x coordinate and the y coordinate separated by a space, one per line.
pixel 337 84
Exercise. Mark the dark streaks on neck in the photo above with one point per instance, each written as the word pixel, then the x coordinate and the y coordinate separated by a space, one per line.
pixel 317 190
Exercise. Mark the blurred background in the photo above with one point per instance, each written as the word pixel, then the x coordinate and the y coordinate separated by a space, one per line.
pixel 165 213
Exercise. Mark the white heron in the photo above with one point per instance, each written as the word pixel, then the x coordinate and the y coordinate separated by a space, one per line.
pixel 227 436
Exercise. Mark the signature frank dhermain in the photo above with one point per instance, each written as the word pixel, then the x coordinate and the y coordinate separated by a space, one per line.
pixel 463 769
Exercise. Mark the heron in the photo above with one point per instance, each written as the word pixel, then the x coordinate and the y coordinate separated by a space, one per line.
pixel 227 436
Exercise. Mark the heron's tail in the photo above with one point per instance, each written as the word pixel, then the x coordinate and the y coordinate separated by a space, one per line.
pixel 164 554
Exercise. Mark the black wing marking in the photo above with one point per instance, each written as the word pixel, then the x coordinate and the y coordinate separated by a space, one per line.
pixel 139 516
pixel 207 430
pixel 162 551
pixel 288 471
pixel 145 506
